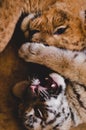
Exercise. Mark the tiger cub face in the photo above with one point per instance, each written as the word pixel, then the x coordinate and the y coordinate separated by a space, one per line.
pixel 57 27
pixel 48 108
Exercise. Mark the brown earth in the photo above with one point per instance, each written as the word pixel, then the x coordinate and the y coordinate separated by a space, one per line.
pixel 12 70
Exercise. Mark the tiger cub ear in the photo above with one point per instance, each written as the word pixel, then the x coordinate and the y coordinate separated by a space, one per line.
pixel 20 88
pixel 83 18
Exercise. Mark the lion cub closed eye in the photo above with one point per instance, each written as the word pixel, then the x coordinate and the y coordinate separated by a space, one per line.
pixel 57 27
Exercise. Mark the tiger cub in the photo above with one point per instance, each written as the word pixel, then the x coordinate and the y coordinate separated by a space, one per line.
pixel 54 103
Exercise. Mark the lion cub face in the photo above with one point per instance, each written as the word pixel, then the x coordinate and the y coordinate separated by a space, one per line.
pixel 55 27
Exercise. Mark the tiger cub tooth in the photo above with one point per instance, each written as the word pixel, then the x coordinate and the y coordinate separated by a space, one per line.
pixel 53 85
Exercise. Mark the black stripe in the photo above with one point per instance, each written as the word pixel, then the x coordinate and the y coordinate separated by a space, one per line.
pixel 82 85
pixel 51 121
pixel 78 96
pixel 72 115
pixel 73 87
pixel 58 115
pixel 55 127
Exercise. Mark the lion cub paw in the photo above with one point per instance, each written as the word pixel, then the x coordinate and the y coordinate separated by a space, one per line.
pixel 30 51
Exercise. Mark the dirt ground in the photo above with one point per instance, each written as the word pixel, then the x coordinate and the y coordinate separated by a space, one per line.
pixel 12 70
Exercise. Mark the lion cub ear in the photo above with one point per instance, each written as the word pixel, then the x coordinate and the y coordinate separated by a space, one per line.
pixel 83 18
pixel 20 88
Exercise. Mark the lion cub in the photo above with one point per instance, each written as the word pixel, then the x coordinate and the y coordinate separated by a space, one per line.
pixel 56 27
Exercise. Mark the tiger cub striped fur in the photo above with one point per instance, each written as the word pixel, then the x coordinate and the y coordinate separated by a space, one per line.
pixel 55 104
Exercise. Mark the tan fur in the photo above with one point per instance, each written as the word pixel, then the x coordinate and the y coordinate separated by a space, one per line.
pixel 9 16
pixel 56 17
pixel 10 11
pixel 74 100
pixel 11 71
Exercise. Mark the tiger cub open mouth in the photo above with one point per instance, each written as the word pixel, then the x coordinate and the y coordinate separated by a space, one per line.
pixel 48 87
pixel 43 88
